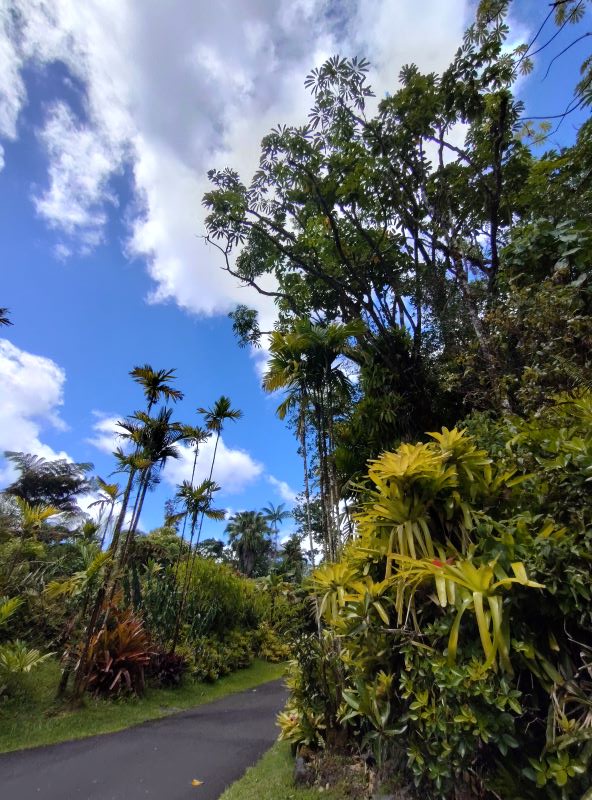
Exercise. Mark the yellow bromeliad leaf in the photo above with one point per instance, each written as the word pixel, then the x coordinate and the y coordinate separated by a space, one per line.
pixel 478 590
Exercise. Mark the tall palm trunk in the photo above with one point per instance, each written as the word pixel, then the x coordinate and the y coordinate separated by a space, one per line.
pixel 107 524
pixel 80 678
pixel 139 504
pixel 185 589
pixel 191 557
pixel 306 480
pixel 185 517
pixel 303 401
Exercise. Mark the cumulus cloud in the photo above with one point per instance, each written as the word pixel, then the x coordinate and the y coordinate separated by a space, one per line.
pixel 75 200
pixel 284 490
pixel 234 469
pixel 107 433
pixel 31 396
pixel 170 90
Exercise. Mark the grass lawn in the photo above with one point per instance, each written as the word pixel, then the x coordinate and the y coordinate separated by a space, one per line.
pixel 35 718
pixel 271 779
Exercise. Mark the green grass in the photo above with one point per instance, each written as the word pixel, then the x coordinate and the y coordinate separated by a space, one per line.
pixel 35 719
pixel 271 779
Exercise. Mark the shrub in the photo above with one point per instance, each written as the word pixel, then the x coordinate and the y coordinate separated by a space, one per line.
pixel 457 625
pixel 118 655
pixel 271 646
pixel 219 600
pixel 166 669
pixel 16 659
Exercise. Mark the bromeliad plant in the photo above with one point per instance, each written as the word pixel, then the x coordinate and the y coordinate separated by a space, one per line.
pixel 460 616
pixel 462 585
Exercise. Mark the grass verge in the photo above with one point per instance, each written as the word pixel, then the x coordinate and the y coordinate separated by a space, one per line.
pixel 271 779
pixel 34 718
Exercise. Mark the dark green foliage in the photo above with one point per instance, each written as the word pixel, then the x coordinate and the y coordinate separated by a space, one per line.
pixel 249 535
pixel 53 483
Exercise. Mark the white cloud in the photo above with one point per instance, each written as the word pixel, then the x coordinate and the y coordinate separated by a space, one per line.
pixel 107 432
pixel 234 469
pixel 81 163
pixel 31 395
pixel 284 490
pixel 170 90
pixel 12 88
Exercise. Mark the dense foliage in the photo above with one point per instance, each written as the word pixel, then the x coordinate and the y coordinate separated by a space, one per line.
pixel 458 622
pixel 432 272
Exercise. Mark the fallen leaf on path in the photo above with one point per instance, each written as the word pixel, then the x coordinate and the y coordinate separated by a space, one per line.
pixel 195 782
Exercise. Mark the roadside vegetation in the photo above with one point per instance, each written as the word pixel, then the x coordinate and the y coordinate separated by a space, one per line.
pixel 272 778
pixel 100 623
pixel 433 356
pixel 429 257
pixel 34 718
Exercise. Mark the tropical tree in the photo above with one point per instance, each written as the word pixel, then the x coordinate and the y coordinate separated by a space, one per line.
pixel 285 371
pixel 248 535
pixel 292 559
pixel 215 418
pixel 153 442
pixel 156 385
pixel 55 483
pixel 4 318
pixel 306 361
pixel 197 502
pixel 109 493
pixel 159 441
pixel 276 515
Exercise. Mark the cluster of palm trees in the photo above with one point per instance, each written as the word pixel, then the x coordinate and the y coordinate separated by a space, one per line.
pixel 149 438
pixel 307 362
pixel 253 536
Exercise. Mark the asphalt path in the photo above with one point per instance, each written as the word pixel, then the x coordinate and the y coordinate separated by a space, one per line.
pixel 213 743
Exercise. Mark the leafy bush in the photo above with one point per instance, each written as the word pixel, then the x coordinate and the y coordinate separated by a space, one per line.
pixel 271 646
pixel 219 600
pixel 167 669
pixel 16 658
pixel 457 626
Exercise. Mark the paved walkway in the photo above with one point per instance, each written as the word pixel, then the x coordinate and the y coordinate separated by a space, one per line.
pixel 213 743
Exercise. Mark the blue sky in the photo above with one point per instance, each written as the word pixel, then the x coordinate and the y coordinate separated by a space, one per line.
pixel 111 112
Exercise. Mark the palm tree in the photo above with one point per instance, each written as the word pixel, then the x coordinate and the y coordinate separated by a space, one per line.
pixel 286 370
pixel 195 436
pixel 276 515
pixel 292 557
pixel 305 362
pixel 110 493
pixel 215 418
pixel 156 385
pixel 321 346
pixel 196 500
pixel 248 534
pixel 158 440
pixel 4 318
